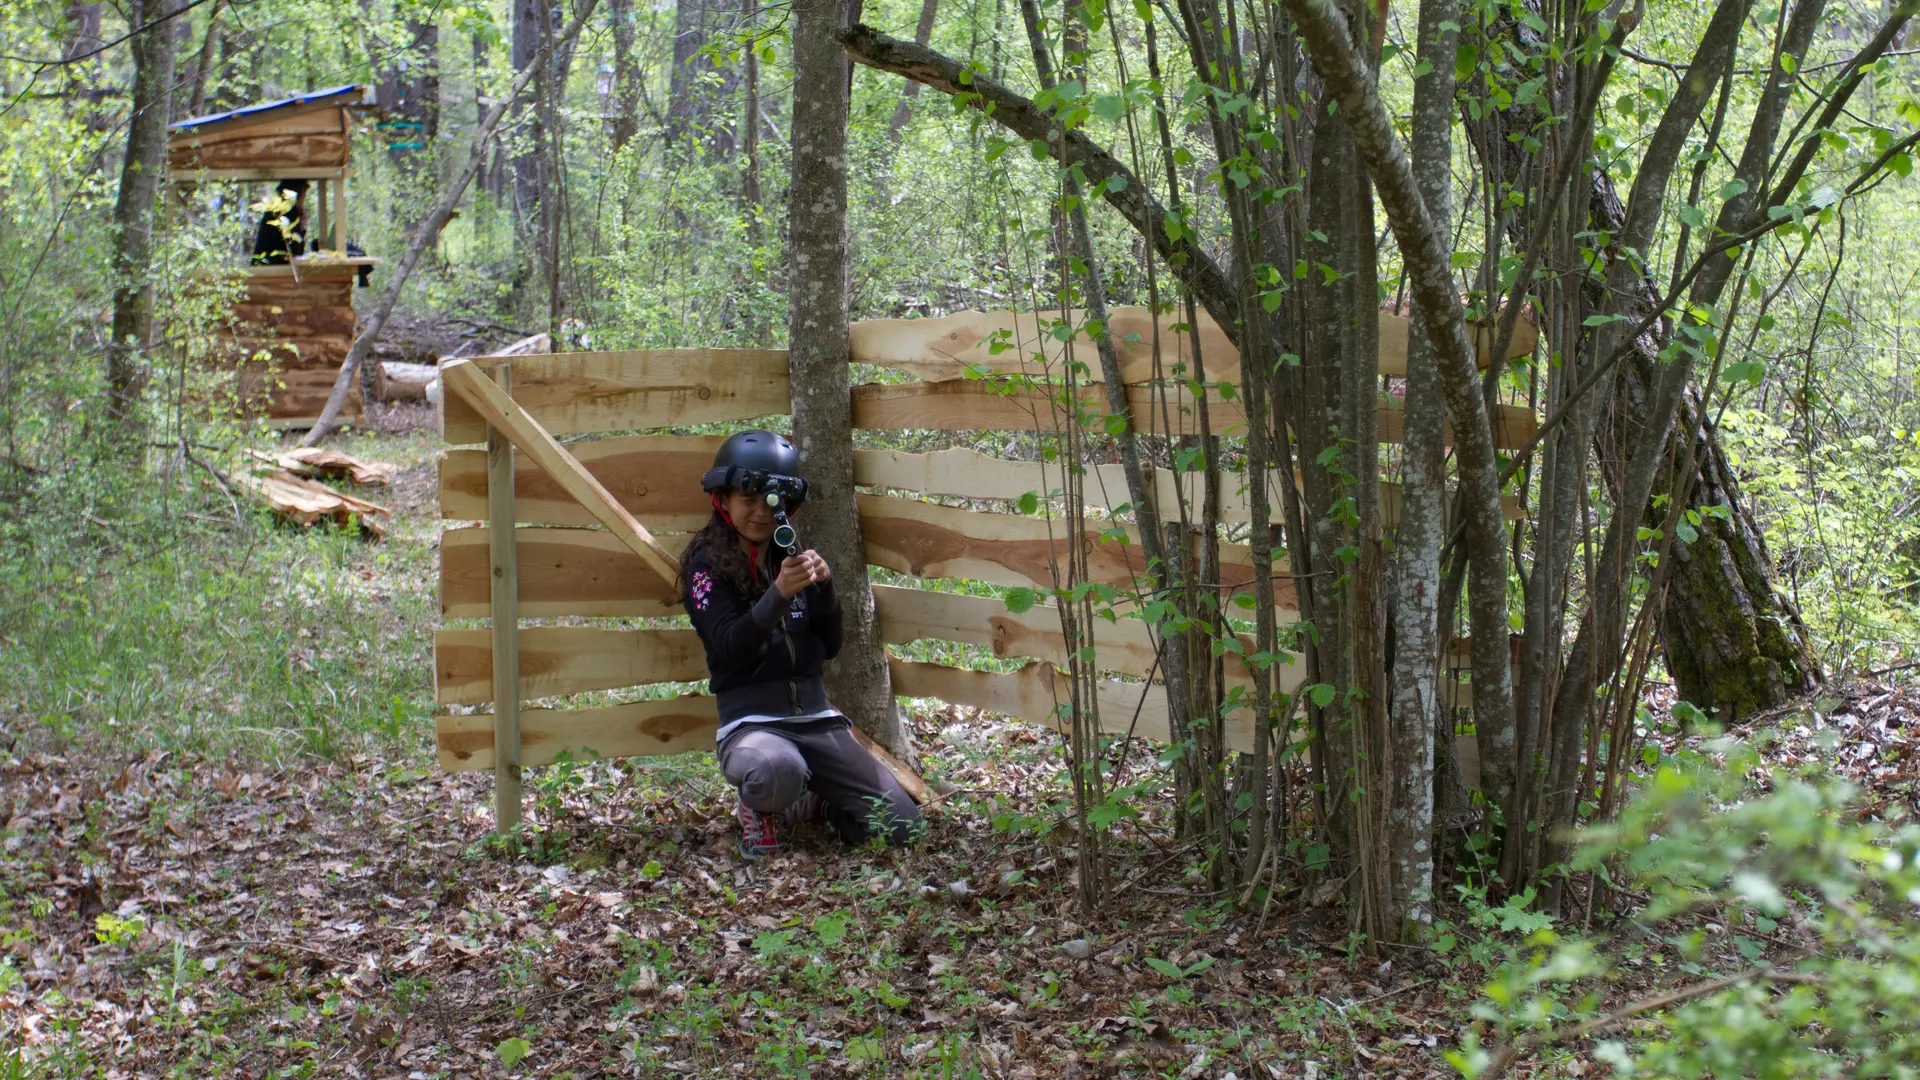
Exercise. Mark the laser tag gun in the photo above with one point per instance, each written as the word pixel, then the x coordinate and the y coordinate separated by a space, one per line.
pixel 784 491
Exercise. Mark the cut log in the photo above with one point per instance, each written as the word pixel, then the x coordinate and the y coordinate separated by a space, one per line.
pixel 307 502
pixel 395 380
pixel 315 463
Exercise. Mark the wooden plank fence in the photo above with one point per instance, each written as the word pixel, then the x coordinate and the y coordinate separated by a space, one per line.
pixel 592 529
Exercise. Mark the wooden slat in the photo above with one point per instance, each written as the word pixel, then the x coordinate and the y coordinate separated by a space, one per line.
pixel 461 377
pixel 942 349
pixel 655 477
pixel 296 321
pixel 562 572
pixel 560 660
pixel 571 393
pixel 945 348
pixel 641 729
pixel 906 615
pixel 588 572
pixel 296 395
pixel 304 172
pixel 977 406
pixel 286 155
pixel 973 405
pixel 927 540
pixel 1235 506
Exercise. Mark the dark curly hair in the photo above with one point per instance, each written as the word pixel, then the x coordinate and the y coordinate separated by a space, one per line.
pixel 720 542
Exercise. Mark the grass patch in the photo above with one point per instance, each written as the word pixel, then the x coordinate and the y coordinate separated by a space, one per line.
pixel 146 610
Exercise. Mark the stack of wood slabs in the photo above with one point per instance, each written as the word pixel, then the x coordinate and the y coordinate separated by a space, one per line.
pixel 291 333
pixel 570 571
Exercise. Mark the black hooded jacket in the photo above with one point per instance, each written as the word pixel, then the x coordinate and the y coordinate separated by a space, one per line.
pixel 764 652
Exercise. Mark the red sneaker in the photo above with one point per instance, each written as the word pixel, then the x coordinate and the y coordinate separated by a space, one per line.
pixel 758 837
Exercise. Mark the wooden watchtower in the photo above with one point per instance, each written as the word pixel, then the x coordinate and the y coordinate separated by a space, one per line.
pixel 300 313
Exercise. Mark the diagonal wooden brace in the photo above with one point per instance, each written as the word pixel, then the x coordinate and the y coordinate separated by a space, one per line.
pixel 465 378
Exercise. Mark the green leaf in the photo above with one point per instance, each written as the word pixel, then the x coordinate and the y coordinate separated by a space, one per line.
pixel 1465 59
pixel 1171 971
pixel 1321 693
pixel 1109 107
pixel 1115 426
pixel 1029 503
pixel 1602 320
pixel 1021 600
pixel 513 1051
pixel 831 928
pixel 1735 186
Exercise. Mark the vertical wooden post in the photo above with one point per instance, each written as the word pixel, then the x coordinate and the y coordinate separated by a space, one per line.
pixel 323 219
pixel 340 213
pixel 506 624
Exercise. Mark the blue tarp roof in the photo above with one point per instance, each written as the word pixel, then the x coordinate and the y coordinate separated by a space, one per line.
pixel 267 107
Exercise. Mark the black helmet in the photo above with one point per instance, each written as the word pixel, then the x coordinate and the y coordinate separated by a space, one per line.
pixel 757 461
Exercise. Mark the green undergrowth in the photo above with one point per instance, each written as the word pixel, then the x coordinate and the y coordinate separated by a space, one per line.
pixel 144 609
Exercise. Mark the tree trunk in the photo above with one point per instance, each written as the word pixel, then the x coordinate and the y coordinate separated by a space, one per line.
pixel 922 34
pixel 696 85
pixel 626 74
pixel 1416 565
pixel 529 164
pixel 1426 253
pixel 817 353
pixel 133 214
pixel 409 91
pixel 203 66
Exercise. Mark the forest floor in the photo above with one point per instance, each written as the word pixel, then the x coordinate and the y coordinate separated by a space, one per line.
pixel 274 878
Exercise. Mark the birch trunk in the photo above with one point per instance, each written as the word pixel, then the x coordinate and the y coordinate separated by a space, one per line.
pixel 1416 567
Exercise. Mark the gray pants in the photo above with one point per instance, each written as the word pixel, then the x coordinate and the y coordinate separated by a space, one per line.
pixel 774 763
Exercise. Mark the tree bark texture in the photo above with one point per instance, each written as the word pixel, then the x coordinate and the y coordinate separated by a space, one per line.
pixel 203 62
pixel 409 90
pixel 818 351
pixel 696 84
pixel 1427 255
pixel 1416 566
pixel 133 211
pixel 903 112
pixel 528 164
pixel 626 73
